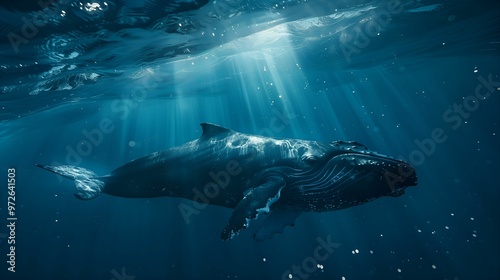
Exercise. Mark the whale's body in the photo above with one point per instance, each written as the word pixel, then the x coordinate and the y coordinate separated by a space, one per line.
pixel 253 174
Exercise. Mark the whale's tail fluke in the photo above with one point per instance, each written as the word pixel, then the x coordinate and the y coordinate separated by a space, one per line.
pixel 88 184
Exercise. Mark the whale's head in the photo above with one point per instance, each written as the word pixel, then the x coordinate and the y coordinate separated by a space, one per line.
pixel 345 174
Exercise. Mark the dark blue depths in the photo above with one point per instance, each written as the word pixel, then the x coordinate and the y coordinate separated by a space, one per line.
pixel 109 82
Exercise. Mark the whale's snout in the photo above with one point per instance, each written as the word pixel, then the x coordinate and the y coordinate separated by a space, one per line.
pixel 409 174
pixel 389 173
pixel 398 175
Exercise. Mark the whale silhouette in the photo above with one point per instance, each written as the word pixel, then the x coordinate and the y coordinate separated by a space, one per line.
pixel 253 175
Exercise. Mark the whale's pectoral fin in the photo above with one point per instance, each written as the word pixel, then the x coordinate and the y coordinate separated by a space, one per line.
pixel 276 223
pixel 257 200
pixel 88 185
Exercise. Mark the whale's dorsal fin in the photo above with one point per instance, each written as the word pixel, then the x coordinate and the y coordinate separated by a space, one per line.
pixel 212 130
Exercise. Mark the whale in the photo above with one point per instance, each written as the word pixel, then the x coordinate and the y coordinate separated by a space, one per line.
pixel 253 175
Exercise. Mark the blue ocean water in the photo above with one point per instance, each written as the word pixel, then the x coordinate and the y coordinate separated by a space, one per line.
pixel 98 84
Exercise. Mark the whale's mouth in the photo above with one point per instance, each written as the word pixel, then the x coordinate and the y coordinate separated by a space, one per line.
pixel 398 173
pixel 349 178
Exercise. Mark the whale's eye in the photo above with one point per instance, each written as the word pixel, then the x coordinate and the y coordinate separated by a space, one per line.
pixel 310 160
